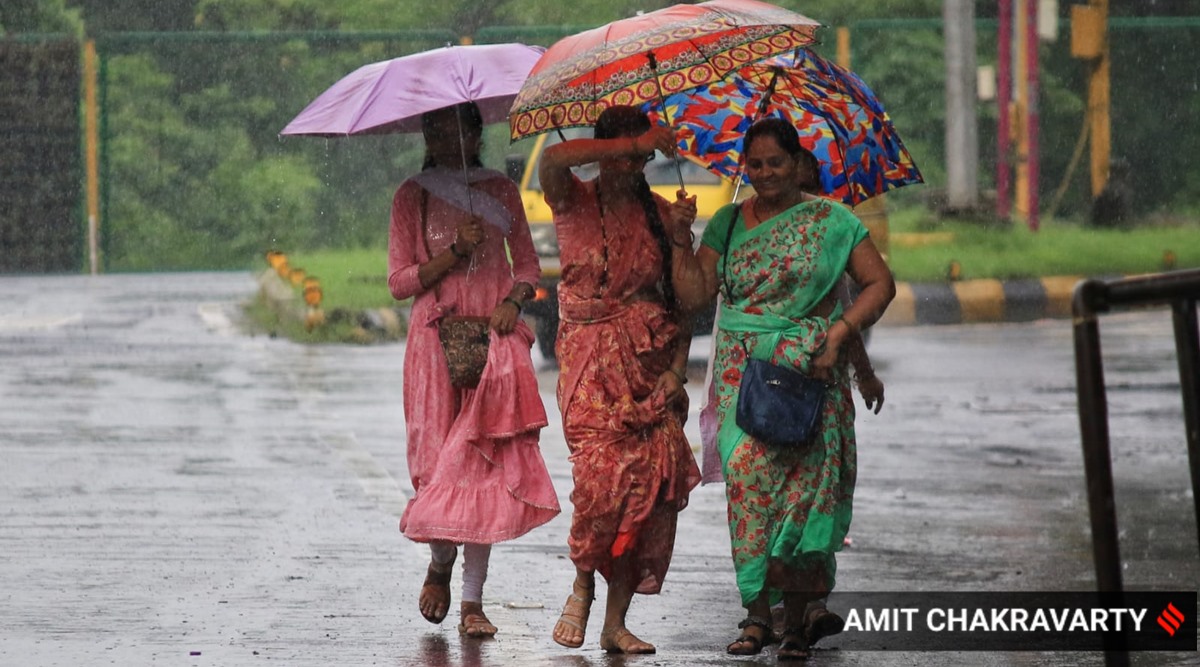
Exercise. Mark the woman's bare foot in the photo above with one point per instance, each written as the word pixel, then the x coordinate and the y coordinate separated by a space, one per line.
pixel 435 592
pixel 572 624
pixel 621 640
pixel 475 623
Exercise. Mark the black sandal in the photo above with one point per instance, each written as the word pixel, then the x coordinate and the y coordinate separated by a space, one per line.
pixel 756 644
pixel 794 646
pixel 822 623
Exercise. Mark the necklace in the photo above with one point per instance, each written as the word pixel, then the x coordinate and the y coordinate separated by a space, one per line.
pixel 754 209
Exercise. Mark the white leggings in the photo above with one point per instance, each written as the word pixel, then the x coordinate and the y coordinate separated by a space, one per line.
pixel 475 566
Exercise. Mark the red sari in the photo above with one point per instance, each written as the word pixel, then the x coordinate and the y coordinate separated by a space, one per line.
pixel 632 465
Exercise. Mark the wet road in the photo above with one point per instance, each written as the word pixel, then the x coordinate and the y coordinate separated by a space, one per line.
pixel 176 492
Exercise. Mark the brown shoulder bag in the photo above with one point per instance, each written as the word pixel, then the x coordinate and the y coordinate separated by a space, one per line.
pixel 464 337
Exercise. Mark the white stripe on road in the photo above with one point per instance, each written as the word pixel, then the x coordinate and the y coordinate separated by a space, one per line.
pixel 216 319
pixel 376 482
pixel 38 323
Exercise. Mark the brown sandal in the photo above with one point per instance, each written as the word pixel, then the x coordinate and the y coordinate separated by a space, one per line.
pixel 822 623
pixel 621 640
pixel 575 615
pixel 756 644
pixel 475 623
pixel 436 591
pixel 793 646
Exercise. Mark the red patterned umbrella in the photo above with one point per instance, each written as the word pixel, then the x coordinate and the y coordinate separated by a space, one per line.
pixel 642 58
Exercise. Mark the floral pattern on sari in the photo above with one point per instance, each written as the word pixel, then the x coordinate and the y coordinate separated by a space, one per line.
pixel 631 463
pixel 789 508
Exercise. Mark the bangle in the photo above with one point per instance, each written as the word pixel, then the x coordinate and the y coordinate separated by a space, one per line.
pixel 688 244
pixel 860 377
pixel 682 375
pixel 509 299
pixel 851 327
pixel 454 250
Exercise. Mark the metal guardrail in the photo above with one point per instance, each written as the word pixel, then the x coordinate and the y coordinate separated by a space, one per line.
pixel 1180 290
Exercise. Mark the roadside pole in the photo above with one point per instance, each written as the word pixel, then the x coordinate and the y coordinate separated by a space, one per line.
pixel 91 132
pixel 962 143
pixel 1004 110
pixel 1089 41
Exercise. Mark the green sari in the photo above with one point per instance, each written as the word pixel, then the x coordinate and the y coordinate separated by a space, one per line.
pixel 789 509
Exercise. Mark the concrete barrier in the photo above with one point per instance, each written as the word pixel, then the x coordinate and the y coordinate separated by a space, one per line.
pixel 370 325
pixel 959 302
pixel 981 301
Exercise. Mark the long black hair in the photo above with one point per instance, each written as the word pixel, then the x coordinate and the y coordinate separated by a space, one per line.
pixel 472 122
pixel 788 139
pixel 626 121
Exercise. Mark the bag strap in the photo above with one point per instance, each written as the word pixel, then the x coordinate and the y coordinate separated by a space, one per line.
pixel 737 214
pixel 437 293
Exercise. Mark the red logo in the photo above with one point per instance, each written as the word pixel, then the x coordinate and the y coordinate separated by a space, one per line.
pixel 1170 619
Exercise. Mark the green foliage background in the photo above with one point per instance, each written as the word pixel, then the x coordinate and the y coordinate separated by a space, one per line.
pixel 197 177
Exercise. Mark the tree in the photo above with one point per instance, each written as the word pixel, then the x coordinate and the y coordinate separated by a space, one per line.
pixel 131 15
pixel 39 16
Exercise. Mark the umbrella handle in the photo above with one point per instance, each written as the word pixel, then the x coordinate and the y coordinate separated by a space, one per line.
pixel 763 105
pixel 462 148
pixel 665 114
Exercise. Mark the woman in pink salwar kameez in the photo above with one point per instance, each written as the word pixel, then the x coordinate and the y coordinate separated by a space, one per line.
pixel 473 454
pixel 622 356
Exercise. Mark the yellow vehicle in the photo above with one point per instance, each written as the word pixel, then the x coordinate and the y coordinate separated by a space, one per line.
pixel 711 191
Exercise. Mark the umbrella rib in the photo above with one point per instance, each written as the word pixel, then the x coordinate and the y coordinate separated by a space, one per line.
pixel 372 92
pixel 666 114
pixel 836 140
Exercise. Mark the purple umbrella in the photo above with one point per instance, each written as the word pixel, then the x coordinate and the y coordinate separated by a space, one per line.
pixel 390 96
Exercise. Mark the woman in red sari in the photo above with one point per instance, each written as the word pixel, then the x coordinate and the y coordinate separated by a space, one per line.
pixel 622 356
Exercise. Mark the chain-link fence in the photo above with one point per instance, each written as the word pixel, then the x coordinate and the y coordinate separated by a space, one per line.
pixel 39 156
pixel 1155 92
pixel 194 174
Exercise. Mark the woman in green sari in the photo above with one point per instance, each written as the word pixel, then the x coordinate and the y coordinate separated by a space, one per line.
pixel 777 259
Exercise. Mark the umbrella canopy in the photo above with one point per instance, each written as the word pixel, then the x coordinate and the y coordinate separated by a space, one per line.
pixel 638 59
pixel 838 117
pixel 390 96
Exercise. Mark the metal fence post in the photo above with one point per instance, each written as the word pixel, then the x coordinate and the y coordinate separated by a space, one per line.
pixel 1187 348
pixel 1181 290
pixel 1093 423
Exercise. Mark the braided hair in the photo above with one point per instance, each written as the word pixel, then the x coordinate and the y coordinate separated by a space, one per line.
pixel 626 121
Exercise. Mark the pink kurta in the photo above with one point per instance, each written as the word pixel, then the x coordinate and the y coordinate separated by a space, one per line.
pixel 473 454
pixel 632 465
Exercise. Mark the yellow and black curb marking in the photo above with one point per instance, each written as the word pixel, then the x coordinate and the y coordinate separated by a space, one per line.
pixel 981 301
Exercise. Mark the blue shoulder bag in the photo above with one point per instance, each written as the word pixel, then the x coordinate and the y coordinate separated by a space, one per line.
pixel 777 405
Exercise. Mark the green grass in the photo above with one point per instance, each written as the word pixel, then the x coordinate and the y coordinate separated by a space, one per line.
pixel 350 279
pixel 1057 248
pixel 265 319
pixel 357 279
